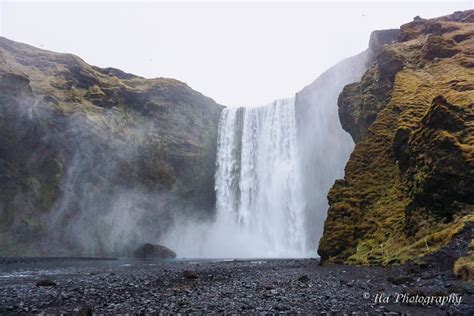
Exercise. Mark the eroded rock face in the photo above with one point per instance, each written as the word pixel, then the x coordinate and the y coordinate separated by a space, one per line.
pixel 359 102
pixel 408 184
pixel 77 142
pixel 439 176
pixel 380 38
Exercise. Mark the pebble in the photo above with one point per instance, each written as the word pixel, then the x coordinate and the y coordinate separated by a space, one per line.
pixel 273 286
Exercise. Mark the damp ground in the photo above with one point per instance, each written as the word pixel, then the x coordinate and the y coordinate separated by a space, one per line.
pixel 111 286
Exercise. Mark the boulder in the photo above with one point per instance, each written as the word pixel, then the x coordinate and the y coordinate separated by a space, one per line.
pixel 46 282
pixel 84 311
pixel 154 251
pixel 400 280
pixel 188 274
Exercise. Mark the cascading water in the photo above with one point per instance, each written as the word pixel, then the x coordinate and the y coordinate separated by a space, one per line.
pixel 266 205
pixel 258 178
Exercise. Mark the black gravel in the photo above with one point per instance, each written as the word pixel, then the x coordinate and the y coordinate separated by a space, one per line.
pixel 240 286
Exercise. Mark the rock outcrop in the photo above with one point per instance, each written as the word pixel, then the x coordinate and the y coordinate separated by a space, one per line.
pixel 85 149
pixel 150 251
pixel 408 186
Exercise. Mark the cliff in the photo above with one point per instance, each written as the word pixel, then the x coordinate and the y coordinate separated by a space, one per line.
pixel 84 149
pixel 408 188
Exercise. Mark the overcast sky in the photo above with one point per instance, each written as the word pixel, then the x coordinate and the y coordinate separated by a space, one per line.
pixel 238 53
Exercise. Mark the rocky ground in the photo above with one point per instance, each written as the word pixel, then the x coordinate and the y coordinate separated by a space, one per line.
pixel 109 286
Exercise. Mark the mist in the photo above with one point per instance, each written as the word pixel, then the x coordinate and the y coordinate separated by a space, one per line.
pixel 324 147
pixel 101 203
pixel 275 166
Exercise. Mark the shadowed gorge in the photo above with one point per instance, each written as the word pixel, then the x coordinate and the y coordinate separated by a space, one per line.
pixel 96 161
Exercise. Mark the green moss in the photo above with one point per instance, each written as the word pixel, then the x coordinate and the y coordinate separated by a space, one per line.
pixel 383 214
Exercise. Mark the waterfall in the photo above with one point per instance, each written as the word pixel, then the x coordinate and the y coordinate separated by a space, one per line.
pixel 272 179
pixel 258 185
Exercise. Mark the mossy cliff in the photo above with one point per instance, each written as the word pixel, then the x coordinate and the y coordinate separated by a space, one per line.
pixel 408 188
pixel 73 135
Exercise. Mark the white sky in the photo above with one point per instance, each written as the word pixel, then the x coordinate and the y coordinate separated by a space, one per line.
pixel 238 53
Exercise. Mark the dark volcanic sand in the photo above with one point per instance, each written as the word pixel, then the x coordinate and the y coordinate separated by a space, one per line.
pixel 238 286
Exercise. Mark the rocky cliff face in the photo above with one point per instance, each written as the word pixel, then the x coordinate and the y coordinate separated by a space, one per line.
pixel 89 155
pixel 408 186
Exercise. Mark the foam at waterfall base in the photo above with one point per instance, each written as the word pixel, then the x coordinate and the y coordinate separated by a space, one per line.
pixel 260 207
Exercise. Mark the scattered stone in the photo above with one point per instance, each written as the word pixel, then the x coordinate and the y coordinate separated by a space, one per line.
pixel 400 280
pixel 304 278
pixel 268 286
pixel 148 289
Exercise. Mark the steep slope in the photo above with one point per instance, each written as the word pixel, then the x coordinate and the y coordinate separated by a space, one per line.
pixel 408 186
pixel 96 159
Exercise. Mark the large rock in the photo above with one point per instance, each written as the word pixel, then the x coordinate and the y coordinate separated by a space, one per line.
pixel 149 251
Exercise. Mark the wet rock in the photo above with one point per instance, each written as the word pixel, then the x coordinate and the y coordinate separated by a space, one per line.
pixel 188 274
pixel 154 251
pixel 84 311
pixel 46 282
pixel 268 286
pixel 400 280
